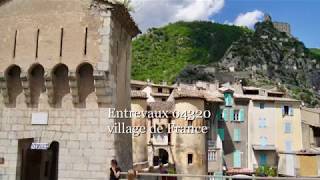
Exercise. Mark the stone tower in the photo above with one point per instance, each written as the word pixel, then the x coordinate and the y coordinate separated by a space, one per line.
pixel 63 64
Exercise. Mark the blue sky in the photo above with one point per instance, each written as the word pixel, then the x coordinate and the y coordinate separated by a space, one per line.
pixel 303 15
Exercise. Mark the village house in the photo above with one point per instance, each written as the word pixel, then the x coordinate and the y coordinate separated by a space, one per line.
pixel 63 64
pixel 274 125
pixel 310 128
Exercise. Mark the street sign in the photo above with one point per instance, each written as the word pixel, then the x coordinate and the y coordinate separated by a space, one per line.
pixel 39 146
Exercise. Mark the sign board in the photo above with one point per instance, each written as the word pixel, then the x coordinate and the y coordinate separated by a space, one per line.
pixel 39 146
pixel 39 118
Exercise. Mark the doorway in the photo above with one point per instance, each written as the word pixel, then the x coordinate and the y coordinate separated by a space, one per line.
pixel 37 164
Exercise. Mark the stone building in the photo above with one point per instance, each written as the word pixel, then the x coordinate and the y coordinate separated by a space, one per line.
pixel 187 153
pixel 280 26
pixel 63 64
pixel 283 27
pixel 310 119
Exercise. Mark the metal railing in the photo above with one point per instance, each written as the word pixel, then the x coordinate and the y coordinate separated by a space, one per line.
pixel 158 176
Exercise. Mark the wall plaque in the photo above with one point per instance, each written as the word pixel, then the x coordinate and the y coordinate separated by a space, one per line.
pixel 39 118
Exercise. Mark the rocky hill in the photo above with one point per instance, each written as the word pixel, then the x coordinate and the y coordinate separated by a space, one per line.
pixel 267 58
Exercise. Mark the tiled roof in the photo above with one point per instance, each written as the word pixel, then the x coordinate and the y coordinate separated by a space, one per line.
pixel 315 110
pixel 161 106
pixel 138 82
pixel 138 94
pixel 160 94
pixel 187 93
pixel 265 98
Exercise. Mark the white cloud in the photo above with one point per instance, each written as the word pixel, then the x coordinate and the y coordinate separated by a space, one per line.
pixel 155 13
pixel 249 19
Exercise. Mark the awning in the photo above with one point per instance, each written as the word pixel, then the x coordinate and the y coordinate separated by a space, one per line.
pixel 264 147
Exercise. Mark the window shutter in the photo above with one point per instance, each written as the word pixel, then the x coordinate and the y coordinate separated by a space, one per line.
pixel 236 134
pixel 288 146
pixel 291 111
pixel 263 159
pixel 260 123
pixel 263 141
pixel 287 127
pixel 283 111
pixel 221 134
pixel 226 99
pixel 231 115
pixel 218 115
pixel 230 99
pixel 236 159
pixel 225 114
pixel 241 115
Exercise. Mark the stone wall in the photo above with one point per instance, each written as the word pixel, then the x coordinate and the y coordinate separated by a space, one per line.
pixel 70 60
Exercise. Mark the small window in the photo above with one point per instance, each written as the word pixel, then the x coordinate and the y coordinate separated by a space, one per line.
pixel 190 158
pixel 287 128
pixel 159 90
pixel 263 141
pixel 237 134
pixel 163 99
pixel 212 155
pixel 261 105
pixel 288 146
pixel 189 122
pixel 286 110
pixel 262 123
pixel 236 115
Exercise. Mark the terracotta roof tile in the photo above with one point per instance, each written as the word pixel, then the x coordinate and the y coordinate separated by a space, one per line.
pixel 138 94
pixel 161 106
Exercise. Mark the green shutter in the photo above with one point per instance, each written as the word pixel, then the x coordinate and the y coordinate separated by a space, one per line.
pixel 225 99
pixel 221 134
pixel 228 99
pixel 225 114
pixel 262 159
pixel 236 134
pixel 231 115
pixel 237 159
pixel 218 115
pixel 241 115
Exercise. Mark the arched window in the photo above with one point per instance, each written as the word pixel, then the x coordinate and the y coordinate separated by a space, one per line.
pixel 85 81
pixel 60 83
pixel 36 80
pixel 14 83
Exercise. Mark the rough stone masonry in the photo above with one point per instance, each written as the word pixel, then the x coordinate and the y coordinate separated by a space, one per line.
pixel 62 65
